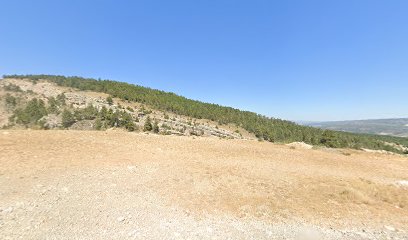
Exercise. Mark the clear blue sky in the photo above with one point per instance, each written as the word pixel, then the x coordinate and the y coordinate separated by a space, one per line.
pixel 298 60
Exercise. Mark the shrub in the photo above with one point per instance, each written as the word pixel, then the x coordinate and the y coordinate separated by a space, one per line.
pixel 130 126
pixel 61 99
pixel 88 113
pixel 156 128
pixel 165 126
pixel 67 118
pixel 13 88
pixel 52 105
pixel 113 119
pixel 31 113
pixel 11 101
pixel 109 100
pixel 98 124
pixel 103 113
pixel 127 121
pixel 148 125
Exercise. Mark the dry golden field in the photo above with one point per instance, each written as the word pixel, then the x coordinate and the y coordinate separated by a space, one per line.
pixel 115 185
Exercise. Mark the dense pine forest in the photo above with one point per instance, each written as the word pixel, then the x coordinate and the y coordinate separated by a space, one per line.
pixel 264 128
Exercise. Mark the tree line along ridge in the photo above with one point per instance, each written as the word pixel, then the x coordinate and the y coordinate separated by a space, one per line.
pixel 263 127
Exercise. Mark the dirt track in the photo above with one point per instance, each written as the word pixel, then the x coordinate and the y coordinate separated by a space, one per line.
pixel 115 185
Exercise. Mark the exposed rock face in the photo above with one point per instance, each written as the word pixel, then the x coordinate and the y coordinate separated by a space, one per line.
pixel 52 121
pixel 83 125
pixel 377 151
pixel 300 145
pixel 402 183
pixel 199 130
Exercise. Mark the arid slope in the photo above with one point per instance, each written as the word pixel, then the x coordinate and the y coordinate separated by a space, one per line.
pixel 115 185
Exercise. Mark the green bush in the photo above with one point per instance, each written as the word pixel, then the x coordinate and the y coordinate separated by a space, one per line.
pixel 53 105
pixel 98 124
pixel 148 125
pixel 329 139
pixel 11 101
pixel 31 113
pixel 130 126
pixel 165 126
pixel 109 100
pixel 127 121
pixel 156 128
pixel 13 88
pixel 61 99
pixel 67 118
pixel 88 113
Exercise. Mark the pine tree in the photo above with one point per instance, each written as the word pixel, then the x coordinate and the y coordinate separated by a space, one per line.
pixel 109 100
pixel 156 128
pixel 67 118
pixel 148 125
pixel 53 105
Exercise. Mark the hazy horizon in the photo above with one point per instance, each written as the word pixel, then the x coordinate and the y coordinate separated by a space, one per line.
pixel 300 61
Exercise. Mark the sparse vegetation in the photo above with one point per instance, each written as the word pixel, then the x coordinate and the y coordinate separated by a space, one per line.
pixel 264 128
pixel 11 101
pixel 61 99
pixel 30 115
pixel 53 106
pixel 12 88
pixel 88 113
pixel 108 118
pixel 165 126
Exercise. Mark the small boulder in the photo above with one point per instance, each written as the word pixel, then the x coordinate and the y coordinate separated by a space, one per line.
pixel 389 228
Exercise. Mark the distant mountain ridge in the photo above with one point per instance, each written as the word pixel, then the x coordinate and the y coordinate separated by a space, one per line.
pixel 391 126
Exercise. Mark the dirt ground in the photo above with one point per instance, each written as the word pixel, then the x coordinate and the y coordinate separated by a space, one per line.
pixel 120 185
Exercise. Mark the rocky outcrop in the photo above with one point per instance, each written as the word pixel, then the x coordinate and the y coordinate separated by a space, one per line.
pixel 75 99
pixel 299 145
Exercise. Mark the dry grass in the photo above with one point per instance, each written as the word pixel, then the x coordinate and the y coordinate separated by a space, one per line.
pixel 241 178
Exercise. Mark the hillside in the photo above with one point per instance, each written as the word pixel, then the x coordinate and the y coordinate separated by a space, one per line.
pixel 126 185
pixel 46 101
pixel 45 105
pixel 395 127
pixel 153 165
